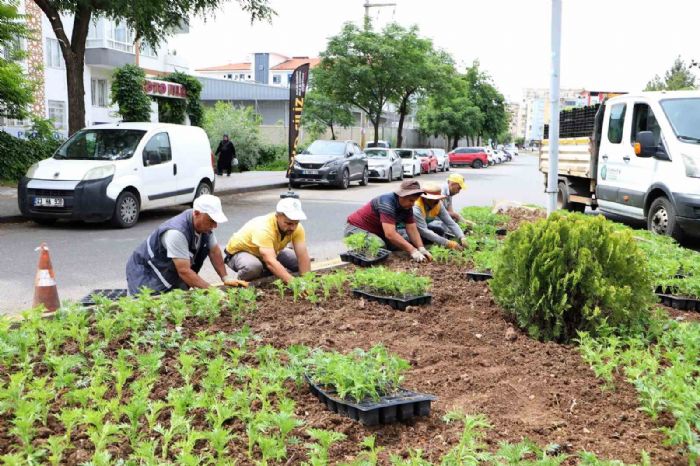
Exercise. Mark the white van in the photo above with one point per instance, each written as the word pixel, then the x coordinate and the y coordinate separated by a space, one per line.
pixel 114 171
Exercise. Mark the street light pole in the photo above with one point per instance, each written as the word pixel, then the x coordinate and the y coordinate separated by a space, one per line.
pixel 553 174
pixel 369 5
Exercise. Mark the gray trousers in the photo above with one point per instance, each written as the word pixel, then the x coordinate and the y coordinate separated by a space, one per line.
pixel 249 267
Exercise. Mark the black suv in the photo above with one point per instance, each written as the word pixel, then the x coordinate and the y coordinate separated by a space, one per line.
pixel 331 163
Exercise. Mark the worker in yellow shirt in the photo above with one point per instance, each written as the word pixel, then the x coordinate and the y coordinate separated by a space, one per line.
pixel 258 248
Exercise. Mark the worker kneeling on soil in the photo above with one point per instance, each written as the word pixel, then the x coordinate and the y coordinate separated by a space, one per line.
pixel 453 186
pixel 383 217
pixel 172 256
pixel 258 248
pixel 433 221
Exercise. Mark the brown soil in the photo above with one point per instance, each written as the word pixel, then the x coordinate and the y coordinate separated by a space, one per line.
pixel 459 351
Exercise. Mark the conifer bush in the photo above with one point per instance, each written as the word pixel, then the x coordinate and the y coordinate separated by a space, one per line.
pixel 573 273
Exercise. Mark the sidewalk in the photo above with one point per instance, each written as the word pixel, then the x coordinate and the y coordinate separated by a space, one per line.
pixel 234 184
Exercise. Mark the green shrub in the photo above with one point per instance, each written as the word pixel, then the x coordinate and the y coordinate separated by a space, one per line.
pixel 243 127
pixel 127 92
pixel 17 155
pixel 573 273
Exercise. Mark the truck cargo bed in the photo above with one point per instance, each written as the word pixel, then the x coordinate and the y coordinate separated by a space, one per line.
pixel 575 158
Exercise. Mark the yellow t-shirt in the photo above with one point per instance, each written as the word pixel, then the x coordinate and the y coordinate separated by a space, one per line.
pixel 262 232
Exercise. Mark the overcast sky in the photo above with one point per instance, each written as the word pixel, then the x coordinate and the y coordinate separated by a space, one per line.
pixel 607 45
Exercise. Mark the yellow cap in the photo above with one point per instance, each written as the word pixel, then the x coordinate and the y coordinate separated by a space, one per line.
pixel 457 178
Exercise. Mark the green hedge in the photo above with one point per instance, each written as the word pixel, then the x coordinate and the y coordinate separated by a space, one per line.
pixel 17 155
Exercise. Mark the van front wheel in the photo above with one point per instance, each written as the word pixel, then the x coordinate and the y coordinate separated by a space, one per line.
pixel 202 189
pixel 126 210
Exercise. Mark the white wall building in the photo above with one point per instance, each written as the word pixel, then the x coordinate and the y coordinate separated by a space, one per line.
pixel 109 45
pixel 263 68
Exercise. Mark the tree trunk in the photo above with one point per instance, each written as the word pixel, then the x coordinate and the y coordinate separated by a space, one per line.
pixel 375 123
pixel 332 132
pixel 73 51
pixel 455 142
pixel 403 110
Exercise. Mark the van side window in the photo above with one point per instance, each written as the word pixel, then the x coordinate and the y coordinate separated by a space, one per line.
pixel 616 123
pixel 643 119
pixel 157 150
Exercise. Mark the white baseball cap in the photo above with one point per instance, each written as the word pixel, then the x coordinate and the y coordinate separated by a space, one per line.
pixel 210 205
pixel 291 208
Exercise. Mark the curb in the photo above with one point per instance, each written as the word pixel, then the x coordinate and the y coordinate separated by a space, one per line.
pixel 247 189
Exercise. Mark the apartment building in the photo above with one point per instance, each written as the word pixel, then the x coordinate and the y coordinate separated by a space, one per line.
pixel 262 68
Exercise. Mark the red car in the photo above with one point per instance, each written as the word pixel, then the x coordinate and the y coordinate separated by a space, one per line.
pixel 475 157
pixel 428 160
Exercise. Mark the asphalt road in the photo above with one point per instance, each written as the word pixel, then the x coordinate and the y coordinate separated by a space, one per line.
pixel 89 256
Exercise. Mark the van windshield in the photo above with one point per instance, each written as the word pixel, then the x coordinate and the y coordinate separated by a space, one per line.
pixel 684 115
pixel 100 144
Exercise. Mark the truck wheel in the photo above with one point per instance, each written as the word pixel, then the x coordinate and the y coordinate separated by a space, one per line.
pixel 563 200
pixel 661 219
pixel 126 210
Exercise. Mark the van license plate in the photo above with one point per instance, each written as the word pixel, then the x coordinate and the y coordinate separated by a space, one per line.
pixel 48 202
pixel 310 172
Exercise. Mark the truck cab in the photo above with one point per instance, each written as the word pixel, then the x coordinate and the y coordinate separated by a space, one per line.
pixel 642 162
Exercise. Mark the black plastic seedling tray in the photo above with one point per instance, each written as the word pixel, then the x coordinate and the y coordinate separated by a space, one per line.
pixel 502 231
pixel 360 259
pixel 679 302
pixel 112 294
pixel 401 406
pixel 479 276
pixel 397 303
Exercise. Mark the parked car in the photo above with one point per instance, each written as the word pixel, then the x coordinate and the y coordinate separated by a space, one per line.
pixel 384 164
pixel 509 153
pixel 504 156
pixel 474 157
pixel 380 143
pixel 512 148
pixel 115 171
pixel 428 161
pixel 331 163
pixel 443 160
pixel 410 161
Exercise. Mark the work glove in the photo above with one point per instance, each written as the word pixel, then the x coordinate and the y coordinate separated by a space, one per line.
pixel 417 256
pixel 464 241
pixel 425 252
pixel 230 280
pixel 454 246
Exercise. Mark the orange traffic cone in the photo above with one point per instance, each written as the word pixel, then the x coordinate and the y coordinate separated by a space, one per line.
pixel 45 291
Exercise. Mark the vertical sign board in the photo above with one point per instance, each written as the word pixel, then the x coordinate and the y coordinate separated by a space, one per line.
pixel 297 92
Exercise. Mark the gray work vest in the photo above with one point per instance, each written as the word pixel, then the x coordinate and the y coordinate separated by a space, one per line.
pixel 149 266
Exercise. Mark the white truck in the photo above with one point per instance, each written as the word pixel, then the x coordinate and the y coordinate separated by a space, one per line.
pixel 641 162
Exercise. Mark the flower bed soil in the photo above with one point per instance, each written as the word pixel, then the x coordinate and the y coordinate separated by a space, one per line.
pixel 464 352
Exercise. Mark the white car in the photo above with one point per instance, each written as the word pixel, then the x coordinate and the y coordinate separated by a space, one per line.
pixel 493 158
pixel 410 161
pixel 504 157
pixel 443 160
pixel 512 148
pixel 114 171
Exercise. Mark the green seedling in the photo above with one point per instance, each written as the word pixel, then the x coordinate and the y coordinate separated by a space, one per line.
pixel 367 245
pixel 323 440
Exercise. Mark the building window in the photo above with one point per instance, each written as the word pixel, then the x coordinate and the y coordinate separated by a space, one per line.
pixel 54 58
pixel 276 79
pixel 57 113
pixel 100 92
pixel 147 50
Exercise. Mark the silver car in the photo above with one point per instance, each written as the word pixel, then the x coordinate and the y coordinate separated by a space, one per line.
pixel 384 164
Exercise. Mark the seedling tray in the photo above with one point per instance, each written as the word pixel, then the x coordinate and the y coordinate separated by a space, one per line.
pixel 475 276
pixel 679 302
pixel 112 294
pixel 397 303
pixel 502 232
pixel 401 406
pixel 360 259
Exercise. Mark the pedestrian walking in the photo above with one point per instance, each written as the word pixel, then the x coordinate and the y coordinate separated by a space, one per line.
pixel 227 153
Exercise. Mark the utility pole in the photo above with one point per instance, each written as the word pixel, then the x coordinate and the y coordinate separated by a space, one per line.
pixel 553 174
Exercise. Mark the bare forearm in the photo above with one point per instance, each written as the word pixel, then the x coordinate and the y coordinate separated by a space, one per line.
pixel 192 279
pixel 279 270
pixel 397 240
pixel 217 261
pixel 413 235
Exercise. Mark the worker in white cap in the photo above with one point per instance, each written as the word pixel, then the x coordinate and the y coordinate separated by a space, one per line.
pixel 259 247
pixel 172 256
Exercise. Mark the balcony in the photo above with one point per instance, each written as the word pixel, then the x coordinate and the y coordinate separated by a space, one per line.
pixel 107 43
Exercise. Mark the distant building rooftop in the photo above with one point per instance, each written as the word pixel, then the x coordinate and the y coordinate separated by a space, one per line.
pixel 294 62
pixel 228 67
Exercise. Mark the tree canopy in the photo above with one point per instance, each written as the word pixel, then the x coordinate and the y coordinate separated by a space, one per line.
pixel 321 112
pixel 152 21
pixel 16 91
pixel 679 77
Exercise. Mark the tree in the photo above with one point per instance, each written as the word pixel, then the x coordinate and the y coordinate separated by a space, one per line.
pixel 487 98
pixel 358 68
pixel 241 124
pixel 419 68
pixel 174 110
pixel 152 21
pixel 16 91
pixel 679 77
pixel 451 112
pixel 320 110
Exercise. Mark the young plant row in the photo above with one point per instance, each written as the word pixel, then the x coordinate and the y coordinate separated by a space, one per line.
pixel 316 287
pixel 365 244
pixel 479 253
pixel 664 368
pixel 482 222
pixel 359 375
